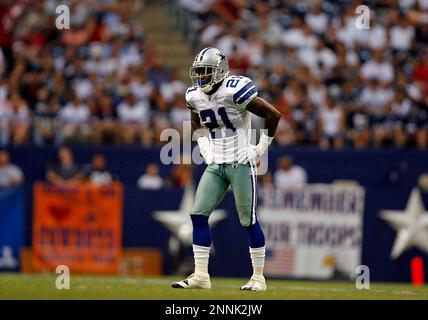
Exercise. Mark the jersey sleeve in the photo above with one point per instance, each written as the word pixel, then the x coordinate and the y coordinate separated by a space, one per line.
pixel 245 92
pixel 188 97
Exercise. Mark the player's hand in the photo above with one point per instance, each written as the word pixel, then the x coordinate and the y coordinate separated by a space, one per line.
pixel 249 155
pixel 253 153
pixel 206 150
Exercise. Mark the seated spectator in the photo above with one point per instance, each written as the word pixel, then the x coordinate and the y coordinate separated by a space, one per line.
pixel 305 123
pixel 239 61
pixel 14 120
pixel 45 119
pixel 151 180
pixel 420 71
pixel 10 174
pixel 401 105
pixel 213 30
pixel 133 115
pixel 230 40
pixel 74 117
pixel 172 88
pixel 97 173
pixel 379 68
pixel 20 120
pixel 402 34
pixel 5 114
pixel 331 120
pixel 65 171
pixel 418 124
pixel 358 125
pixel 161 119
pixel 316 19
pixel 179 113
pixel 105 125
pixel 200 7
pixel 402 126
pixel 141 87
pixel 288 175
pixel 158 72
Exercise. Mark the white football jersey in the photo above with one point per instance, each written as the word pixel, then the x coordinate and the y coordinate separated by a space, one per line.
pixel 225 115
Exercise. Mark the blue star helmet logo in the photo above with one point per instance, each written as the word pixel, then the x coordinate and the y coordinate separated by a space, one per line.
pixel 221 55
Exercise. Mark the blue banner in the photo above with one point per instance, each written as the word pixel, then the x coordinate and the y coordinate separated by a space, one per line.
pixel 11 228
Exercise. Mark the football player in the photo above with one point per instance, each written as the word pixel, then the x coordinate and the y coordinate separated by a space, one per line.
pixel 223 104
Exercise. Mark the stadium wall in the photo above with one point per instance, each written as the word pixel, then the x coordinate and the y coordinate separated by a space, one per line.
pixel 388 177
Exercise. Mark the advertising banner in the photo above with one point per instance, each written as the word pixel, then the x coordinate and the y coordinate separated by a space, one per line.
pixel 313 233
pixel 79 226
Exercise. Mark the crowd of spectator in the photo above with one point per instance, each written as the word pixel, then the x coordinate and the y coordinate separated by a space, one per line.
pixel 335 84
pixel 65 171
pixel 100 81
pixel 180 177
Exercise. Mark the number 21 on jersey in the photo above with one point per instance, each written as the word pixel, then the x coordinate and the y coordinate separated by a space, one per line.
pixel 208 116
pixel 212 123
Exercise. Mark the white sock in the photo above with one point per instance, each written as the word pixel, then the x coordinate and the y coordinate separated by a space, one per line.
pixel 258 260
pixel 201 255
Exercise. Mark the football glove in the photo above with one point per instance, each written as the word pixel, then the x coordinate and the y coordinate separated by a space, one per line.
pixel 253 153
pixel 205 149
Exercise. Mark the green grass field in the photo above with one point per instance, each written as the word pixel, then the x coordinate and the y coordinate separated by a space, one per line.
pixel 13 286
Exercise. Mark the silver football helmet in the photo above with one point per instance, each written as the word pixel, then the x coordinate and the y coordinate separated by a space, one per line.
pixel 209 67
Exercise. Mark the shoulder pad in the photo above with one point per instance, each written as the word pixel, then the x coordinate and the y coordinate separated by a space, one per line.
pixel 242 89
pixel 190 92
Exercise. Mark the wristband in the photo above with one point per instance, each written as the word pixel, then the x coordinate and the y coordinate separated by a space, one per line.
pixel 265 139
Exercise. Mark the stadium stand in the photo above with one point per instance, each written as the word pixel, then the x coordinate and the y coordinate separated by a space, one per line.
pixel 104 82
pixel 335 85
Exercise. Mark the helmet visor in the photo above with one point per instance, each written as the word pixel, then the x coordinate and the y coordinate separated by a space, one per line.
pixel 201 76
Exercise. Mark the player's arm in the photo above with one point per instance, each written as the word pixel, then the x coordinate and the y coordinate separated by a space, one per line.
pixel 194 115
pixel 201 137
pixel 265 110
pixel 196 122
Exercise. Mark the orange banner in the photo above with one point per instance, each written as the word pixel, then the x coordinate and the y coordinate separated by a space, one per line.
pixel 79 226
